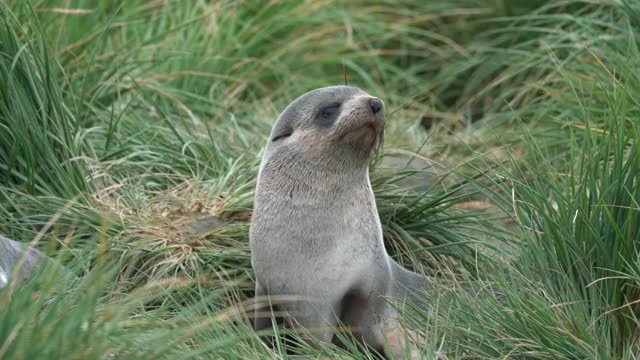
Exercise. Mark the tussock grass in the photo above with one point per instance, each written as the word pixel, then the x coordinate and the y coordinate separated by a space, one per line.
pixel 572 292
pixel 130 138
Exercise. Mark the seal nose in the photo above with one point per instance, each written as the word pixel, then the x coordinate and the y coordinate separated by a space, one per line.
pixel 375 104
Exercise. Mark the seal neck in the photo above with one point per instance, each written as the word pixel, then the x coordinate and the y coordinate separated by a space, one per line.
pixel 318 173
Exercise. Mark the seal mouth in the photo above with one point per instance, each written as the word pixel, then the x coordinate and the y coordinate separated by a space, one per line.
pixel 374 130
pixel 369 133
pixel 378 134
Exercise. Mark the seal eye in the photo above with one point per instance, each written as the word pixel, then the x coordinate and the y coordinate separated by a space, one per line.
pixel 330 111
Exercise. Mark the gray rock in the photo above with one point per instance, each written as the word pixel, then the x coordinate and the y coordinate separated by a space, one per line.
pixel 422 174
pixel 206 224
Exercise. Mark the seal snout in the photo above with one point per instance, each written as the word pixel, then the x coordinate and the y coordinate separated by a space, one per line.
pixel 363 121
pixel 376 105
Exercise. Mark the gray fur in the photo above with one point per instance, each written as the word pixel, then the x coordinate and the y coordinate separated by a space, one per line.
pixel 315 230
pixel 11 252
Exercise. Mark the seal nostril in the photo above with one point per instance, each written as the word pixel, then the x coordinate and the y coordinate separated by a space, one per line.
pixel 376 105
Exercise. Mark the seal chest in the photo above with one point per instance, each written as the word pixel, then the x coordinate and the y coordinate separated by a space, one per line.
pixel 316 238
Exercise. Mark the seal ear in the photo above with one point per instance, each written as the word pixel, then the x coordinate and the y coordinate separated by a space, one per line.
pixel 285 124
pixel 281 132
pixel 281 136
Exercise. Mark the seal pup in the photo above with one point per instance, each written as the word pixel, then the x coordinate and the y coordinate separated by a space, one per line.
pixel 315 232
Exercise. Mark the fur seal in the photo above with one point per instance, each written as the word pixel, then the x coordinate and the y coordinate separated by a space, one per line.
pixel 11 254
pixel 315 232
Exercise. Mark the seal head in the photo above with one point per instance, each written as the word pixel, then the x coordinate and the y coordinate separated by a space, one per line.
pixel 336 121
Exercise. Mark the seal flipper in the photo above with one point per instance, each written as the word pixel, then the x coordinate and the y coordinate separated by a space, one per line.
pixel 408 286
pixel 262 315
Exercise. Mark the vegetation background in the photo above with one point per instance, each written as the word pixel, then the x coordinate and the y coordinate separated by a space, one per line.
pixel 131 131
